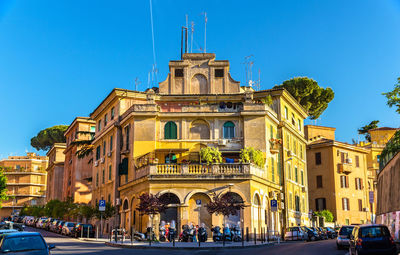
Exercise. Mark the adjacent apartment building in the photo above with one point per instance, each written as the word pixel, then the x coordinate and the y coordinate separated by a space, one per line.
pixel 55 172
pixel 26 182
pixel 150 142
pixel 337 177
pixel 77 179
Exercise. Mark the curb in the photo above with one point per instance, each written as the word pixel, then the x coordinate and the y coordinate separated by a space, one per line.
pixel 185 248
pixel 90 240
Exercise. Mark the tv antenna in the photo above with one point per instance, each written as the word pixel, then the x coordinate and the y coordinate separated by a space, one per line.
pixel 154 69
pixel 248 64
pixel 137 83
pixel 205 31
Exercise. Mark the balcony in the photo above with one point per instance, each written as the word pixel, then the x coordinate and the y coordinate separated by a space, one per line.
pixel 345 168
pixel 198 170
pixel 25 184
pixel 23 170
pixel 24 193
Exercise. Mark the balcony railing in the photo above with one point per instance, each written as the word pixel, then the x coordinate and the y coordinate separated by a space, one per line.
pixel 26 193
pixel 28 170
pixel 345 168
pixel 187 170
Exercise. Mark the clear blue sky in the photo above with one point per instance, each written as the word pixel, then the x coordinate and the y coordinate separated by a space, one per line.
pixel 59 59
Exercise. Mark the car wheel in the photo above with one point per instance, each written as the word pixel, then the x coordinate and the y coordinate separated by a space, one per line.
pixel 313 238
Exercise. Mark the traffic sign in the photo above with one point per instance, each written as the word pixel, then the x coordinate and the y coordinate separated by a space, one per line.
pixel 274 205
pixel 102 205
pixel 371 197
pixel 198 202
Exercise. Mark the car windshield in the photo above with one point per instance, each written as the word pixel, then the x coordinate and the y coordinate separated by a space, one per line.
pixel 373 232
pixel 344 231
pixel 70 225
pixel 23 243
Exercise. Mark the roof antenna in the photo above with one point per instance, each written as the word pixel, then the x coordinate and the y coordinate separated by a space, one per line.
pixel 191 36
pixel 205 31
pixel 154 48
pixel 248 63
pixel 137 82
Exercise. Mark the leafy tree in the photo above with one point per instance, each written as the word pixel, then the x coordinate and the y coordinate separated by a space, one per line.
pixel 225 205
pixel 364 130
pixel 393 97
pixel 326 214
pixel 3 187
pixel 49 136
pixel 55 208
pixel 87 211
pixel 251 155
pixel 309 94
pixel 210 155
pixel 151 204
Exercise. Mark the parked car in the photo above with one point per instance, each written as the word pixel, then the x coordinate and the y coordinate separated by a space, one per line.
pixel 372 239
pixel 343 237
pixel 319 237
pixel 311 235
pixel 295 233
pixel 331 232
pixel 54 224
pixel 40 222
pixel 323 233
pixel 60 225
pixel 67 228
pixel 25 243
pixel 82 230
pixel 47 223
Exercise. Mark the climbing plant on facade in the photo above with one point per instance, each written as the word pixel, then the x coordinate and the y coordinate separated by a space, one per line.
pixel 251 155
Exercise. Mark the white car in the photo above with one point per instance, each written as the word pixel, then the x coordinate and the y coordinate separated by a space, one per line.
pixel 295 233
pixel 40 222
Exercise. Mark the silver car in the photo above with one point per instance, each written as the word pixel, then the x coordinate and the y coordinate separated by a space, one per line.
pixel 343 239
pixel 67 228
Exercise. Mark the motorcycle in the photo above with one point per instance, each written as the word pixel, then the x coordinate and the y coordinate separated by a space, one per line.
pixel 217 235
pixel 236 234
pixel 138 236
pixel 184 236
pixel 227 233
pixel 171 231
pixel 202 233
pixel 162 232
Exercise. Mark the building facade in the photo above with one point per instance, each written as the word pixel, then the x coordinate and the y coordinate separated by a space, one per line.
pixel 26 182
pixel 150 142
pixel 55 172
pixel 337 175
pixel 77 181
pixel 379 138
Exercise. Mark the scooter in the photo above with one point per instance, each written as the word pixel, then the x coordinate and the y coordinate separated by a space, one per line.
pixel 184 236
pixel 162 234
pixel 138 236
pixel 171 231
pixel 236 234
pixel 202 233
pixel 227 233
pixel 217 235
pixel 192 233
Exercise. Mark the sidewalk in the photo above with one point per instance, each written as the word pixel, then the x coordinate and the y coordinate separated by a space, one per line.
pixel 189 246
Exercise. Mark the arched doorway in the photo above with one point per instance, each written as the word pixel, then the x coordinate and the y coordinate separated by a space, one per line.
pixel 198 211
pixel 237 218
pixel 171 213
pixel 257 212
pixel 199 84
pixel 125 214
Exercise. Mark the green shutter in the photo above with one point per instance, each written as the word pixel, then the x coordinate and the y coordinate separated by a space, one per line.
pixel 170 130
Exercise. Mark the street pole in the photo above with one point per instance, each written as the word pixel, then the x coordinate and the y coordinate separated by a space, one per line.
pixel 101 224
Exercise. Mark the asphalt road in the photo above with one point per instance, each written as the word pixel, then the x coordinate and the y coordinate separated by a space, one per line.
pixel 65 245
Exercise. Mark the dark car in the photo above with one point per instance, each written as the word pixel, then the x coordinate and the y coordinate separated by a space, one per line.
pixel 331 232
pixel 24 243
pixel 343 237
pixel 81 230
pixel 312 235
pixel 372 239
pixel 319 237
pixel 323 233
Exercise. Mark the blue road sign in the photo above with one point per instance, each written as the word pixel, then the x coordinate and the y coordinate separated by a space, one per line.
pixel 102 205
pixel 274 205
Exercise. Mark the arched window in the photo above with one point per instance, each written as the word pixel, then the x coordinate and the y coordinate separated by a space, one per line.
pixel 170 130
pixel 229 130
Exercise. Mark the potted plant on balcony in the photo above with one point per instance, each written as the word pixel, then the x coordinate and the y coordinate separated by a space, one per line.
pixel 251 155
pixel 275 144
pixel 210 155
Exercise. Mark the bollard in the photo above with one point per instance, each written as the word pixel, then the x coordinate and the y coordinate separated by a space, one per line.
pixel 242 237
pixel 223 238
pixel 173 240
pixel 97 233
pixel 88 232
pixel 279 239
pixel 81 231
pixel 267 235
pixel 123 236
pixel 110 233
pixel 131 234
pixel 150 236
pixel 116 234
pixel 255 236
pixel 262 235
pixel 247 234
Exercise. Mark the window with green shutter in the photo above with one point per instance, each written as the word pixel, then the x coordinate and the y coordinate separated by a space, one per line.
pixel 170 130
pixel 229 130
